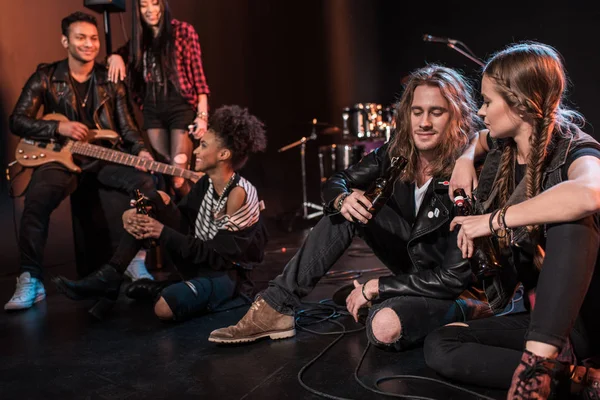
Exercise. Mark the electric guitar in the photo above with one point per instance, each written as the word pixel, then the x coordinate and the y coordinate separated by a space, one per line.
pixel 33 153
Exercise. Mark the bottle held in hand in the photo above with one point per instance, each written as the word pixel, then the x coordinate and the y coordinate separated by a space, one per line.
pixel 383 187
pixel 485 258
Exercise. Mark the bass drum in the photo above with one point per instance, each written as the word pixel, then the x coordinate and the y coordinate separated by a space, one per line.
pixel 338 157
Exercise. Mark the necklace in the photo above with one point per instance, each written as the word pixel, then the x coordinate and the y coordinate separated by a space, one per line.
pixel 89 89
pixel 221 201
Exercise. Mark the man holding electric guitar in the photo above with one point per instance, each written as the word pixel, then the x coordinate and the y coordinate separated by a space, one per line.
pixel 78 88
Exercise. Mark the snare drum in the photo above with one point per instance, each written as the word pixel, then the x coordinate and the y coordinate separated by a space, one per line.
pixel 338 157
pixel 365 121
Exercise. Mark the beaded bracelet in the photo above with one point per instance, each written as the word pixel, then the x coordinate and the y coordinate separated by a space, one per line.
pixel 338 206
pixel 494 232
pixel 203 115
pixel 363 292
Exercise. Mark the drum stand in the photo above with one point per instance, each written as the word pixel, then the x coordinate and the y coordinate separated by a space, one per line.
pixel 303 210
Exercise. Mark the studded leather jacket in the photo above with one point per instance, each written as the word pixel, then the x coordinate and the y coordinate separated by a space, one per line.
pixel 51 88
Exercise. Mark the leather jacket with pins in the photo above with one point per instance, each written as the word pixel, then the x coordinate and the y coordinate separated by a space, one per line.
pixel 51 88
pixel 433 265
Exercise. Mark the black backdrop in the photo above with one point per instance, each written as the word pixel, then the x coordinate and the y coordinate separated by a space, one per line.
pixel 290 62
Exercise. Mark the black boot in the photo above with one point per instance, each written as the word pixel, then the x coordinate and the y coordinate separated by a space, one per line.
pixel 103 284
pixel 146 290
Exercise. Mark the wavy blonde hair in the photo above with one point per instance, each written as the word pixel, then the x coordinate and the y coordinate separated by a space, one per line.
pixel 463 121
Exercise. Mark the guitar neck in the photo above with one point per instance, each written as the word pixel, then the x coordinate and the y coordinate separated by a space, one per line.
pixel 118 157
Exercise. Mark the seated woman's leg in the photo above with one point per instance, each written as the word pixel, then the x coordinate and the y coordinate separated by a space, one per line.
pixel 403 322
pixel 485 352
pixel 184 300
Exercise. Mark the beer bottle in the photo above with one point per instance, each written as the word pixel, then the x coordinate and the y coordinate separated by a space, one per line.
pixel 485 259
pixel 383 187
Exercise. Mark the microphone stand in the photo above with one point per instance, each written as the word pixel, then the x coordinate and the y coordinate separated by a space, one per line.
pixel 305 203
pixel 464 53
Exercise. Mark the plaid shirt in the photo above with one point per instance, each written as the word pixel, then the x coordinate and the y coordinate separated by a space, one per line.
pixel 188 62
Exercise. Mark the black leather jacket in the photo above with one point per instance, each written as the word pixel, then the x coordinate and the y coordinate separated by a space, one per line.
pixel 434 263
pixel 51 88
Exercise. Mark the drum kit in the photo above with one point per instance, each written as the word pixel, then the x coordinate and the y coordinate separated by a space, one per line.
pixel 365 127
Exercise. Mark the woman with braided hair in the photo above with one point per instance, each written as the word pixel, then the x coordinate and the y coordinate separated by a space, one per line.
pixel 539 193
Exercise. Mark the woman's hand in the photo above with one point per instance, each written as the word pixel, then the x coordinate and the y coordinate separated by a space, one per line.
pixel 117 71
pixel 471 227
pixel 464 176
pixel 201 126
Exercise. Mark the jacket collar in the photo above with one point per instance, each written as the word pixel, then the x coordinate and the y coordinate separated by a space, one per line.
pixel 61 72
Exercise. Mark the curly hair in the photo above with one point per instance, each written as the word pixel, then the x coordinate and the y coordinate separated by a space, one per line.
pixel 76 17
pixel 531 78
pixel 239 131
pixel 463 120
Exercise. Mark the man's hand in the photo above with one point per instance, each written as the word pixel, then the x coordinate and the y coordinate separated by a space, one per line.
pixel 353 210
pixel 146 156
pixel 117 71
pixel 73 130
pixel 355 300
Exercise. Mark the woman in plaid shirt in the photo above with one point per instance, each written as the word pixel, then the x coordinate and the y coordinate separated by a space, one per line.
pixel 167 79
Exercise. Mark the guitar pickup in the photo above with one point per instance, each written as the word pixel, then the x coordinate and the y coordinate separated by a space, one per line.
pixel 42 145
pixel 57 147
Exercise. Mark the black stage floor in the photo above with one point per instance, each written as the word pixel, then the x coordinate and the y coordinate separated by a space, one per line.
pixel 57 351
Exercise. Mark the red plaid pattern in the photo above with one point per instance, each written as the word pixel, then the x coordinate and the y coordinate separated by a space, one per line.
pixel 190 73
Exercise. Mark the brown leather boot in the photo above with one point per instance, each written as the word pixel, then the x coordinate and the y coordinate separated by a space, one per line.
pixel 539 378
pixel 260 321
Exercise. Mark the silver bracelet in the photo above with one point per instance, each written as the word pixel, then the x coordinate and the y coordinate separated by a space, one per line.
pixel 338 206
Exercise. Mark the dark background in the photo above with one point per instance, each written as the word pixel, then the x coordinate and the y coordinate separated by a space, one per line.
pixel 292 61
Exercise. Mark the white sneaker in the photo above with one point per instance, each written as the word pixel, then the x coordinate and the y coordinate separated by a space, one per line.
pixel 28 292
pixel 137 270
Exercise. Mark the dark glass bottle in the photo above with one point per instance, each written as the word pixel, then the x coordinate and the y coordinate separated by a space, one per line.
pixel 383 187
pixel 484 254
pixel 141 206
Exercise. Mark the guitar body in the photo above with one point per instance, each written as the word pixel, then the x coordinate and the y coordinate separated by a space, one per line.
pixel 32 153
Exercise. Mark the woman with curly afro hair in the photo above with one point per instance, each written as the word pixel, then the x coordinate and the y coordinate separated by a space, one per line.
pixel 213 236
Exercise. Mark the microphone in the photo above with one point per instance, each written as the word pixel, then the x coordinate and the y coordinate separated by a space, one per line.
pixel 429 38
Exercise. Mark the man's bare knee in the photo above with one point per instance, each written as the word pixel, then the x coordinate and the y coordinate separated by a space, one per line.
pixel 386 326
pixel 458 324
pixel 162 309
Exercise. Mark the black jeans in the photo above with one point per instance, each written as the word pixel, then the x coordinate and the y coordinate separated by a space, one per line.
pixel 50 184
pixel 202 289
pixel 488 351
pixel 386 234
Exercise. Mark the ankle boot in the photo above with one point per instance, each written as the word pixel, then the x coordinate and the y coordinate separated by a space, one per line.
pixel 146 290
pixel 103 284
pixel 539 378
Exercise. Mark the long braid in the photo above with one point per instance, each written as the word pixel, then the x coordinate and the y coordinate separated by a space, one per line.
pixel 505 182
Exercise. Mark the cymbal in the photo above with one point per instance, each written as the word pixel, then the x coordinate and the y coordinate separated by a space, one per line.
pixel 334 130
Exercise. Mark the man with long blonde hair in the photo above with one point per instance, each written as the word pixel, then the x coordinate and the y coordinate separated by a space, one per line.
pixel 410 234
